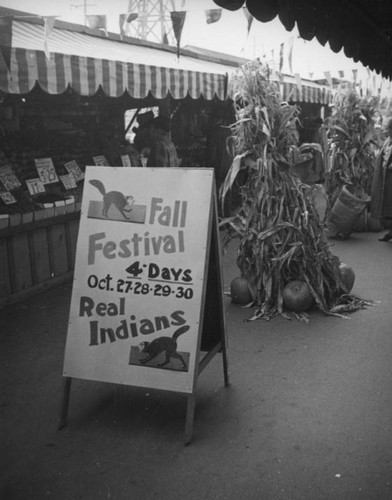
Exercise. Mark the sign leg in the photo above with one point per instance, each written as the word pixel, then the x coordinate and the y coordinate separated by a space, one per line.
pixel 190 412
pixel 64 402
pixel 225 365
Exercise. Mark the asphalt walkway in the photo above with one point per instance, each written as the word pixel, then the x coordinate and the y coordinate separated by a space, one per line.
pixel 308 413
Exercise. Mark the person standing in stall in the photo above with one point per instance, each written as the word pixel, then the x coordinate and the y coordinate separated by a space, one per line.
pixel 381 204
pixel 163 151
pixel 218 154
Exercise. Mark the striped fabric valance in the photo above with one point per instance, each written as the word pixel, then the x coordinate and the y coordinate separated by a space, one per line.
pixel 290 92
pixel 85 75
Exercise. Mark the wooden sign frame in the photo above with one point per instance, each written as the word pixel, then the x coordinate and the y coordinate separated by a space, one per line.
pixel 211 336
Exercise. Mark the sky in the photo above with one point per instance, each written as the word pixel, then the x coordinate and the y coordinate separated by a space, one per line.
pixel 228 35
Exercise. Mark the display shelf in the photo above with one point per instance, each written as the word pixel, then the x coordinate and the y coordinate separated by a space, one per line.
pixel 37 254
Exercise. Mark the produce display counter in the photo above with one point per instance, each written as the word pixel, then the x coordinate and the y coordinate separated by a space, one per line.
pixel 37 251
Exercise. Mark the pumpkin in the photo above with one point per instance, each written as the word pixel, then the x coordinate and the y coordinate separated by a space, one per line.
pixel 347 276
pixel 239 291
pixel 296 296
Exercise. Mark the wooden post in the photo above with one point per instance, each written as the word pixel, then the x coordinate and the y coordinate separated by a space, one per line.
pixel 225 364
pixel 64 402
pixel 190 413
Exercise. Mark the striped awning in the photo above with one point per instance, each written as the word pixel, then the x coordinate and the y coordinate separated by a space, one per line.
pixel 291 92
pixel 292 89
pixel 120 68
pixel 85 75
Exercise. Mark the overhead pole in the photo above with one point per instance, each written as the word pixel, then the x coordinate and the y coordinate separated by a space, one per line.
pixel 84 6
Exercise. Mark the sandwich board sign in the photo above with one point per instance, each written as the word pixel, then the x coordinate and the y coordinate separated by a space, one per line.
pixel 147 292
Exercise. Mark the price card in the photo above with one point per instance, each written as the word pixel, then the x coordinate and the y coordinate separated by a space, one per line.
pixel 126 161
pixel 68 181
pixel 100 161
pixel 8 177
pixel 35 186
pixel 7 197
pixel 74 170
pixel 46 170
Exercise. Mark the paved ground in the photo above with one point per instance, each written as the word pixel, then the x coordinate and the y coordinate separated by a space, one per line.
pixel 308 414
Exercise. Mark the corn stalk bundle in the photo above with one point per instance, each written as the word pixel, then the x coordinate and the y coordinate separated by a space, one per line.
pixel 353 141
pixel 280 236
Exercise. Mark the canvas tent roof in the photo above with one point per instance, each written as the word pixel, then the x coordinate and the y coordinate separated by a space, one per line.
pixel 362 28
pixel 87 61
pixel 309 91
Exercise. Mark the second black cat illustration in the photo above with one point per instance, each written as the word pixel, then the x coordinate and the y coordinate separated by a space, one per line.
pixel 167 345
pixel 124 204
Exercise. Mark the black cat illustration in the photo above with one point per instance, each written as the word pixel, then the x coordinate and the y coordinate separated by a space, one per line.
pixel 119 200
pixel 168 345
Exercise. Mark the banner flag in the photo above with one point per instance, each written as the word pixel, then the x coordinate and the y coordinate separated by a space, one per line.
pixel 213 15
pixel 124 20
pixel 49 25
pixel 281 55
pixel 355 73
pixel 97 22
pixel 272 60
pixel 249 18
pixel 327 75
pixel 290 54
pixel 122 24
pixel 131 16
pixel 178 19
pixel 6 39
pixel 363 86
pixel 298 82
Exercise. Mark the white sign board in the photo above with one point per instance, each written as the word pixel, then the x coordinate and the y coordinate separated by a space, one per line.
pixel 46 170
pixel 8 178
pixel 74 170
pixel 7 197
pixel 68 181
pixel 126 161
pixel 135 315
pixel 35 186
pixel 100 161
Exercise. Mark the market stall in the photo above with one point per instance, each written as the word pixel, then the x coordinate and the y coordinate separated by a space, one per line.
pixel 64 95
pixel 62 108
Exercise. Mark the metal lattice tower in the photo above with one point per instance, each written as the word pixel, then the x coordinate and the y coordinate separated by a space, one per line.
pixel 153 22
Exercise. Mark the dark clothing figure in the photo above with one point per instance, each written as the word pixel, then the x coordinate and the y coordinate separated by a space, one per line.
pixel 142 132
pixel 310 167
pixel 381 204
pixel 217 153
pixel 320 136
pixel 163 152
pixel 132 152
